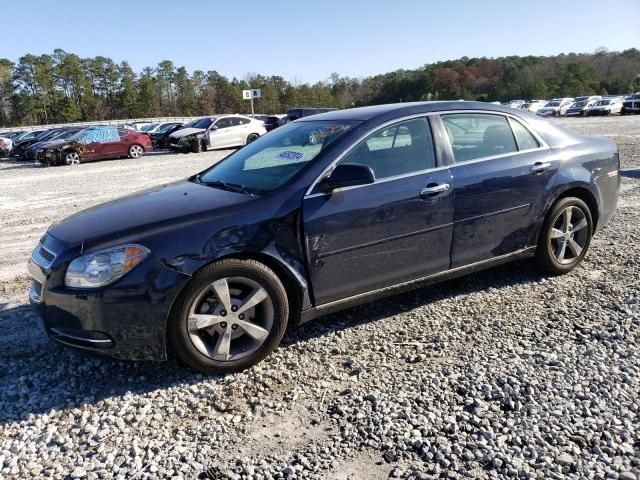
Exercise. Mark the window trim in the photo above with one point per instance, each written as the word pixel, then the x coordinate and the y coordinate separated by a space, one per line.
pixel 440 164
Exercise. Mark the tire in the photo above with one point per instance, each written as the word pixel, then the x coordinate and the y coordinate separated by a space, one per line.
pixel 196 146
pixel 136 151
pixel 200 342
pixel 72 158
pixel 551 255
pixel 252 137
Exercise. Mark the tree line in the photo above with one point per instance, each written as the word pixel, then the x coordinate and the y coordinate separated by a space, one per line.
pixel 63 87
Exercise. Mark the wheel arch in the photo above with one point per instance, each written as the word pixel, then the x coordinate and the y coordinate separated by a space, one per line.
pixel 295 284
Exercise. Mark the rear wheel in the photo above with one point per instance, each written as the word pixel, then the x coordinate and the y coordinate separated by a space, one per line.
pixel 136 151
pixel 72 158
pixel 230 317
pixel 565 237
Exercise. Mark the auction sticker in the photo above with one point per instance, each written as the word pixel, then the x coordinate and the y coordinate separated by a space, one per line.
pixel 290 156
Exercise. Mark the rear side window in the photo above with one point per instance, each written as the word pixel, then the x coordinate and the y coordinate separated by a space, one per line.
pixel 405 147
pixel 526 141
pixel 477 135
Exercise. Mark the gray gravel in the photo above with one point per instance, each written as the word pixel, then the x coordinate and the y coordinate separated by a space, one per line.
pixel 502 374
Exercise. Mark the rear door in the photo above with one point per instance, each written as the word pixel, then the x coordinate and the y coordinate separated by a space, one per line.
pixel 359 239
pixel 501 172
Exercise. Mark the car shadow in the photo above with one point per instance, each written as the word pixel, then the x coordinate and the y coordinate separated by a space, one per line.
pixel 630 173
pixel 38 375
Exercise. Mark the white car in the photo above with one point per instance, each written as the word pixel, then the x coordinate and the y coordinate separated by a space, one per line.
pixel 218 131
pixel 533 106
pixel 556 107
pixel 606 106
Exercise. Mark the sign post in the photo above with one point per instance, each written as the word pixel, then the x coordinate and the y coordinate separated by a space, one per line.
pixel 250 95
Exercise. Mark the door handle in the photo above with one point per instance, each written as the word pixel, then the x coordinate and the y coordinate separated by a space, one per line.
pixel 434 189
pixel 540 167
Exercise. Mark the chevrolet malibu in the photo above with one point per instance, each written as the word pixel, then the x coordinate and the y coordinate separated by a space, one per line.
pixel 319 215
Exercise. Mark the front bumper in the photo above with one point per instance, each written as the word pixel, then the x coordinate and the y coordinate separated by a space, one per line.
pixel 125 320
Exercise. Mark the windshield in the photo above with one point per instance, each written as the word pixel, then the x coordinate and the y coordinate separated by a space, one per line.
pixel 165 127
pixel 270 161
pixel 553 104
pixel 578 104
pixel 603 102
pixel 202 123
pixel 151 126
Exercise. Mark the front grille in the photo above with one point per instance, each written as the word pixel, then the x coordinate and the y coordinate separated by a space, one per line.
pixel 43 257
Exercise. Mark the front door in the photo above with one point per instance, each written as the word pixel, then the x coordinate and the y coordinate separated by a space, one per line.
pixel 359 239
pixel 500 176
pixel 220 134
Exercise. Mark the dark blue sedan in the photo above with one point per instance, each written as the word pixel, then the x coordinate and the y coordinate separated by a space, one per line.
pixel 316 216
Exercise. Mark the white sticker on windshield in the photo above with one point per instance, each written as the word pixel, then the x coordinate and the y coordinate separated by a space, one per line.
pixel 290 156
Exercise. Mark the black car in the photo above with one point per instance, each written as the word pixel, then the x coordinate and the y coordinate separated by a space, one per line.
pixel 31 152
pixel 160 138
pixel 296 113
pixel 631 104
pixel 274 121
pixel 19 148
pixel 319 215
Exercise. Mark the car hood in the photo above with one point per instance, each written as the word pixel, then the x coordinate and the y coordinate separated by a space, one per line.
pixel 162 207
pixel 183 132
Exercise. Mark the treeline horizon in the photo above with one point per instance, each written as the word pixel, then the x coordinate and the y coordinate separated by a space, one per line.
pixel 63 87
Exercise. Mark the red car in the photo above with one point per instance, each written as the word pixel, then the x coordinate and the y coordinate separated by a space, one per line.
pixel 95 143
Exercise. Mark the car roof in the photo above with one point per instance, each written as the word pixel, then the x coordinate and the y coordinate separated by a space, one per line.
pixel 400 109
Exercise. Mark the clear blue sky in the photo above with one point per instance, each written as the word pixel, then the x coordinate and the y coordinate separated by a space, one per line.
pixel 308 40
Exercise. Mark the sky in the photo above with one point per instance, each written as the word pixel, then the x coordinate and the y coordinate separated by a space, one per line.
pixel 307 40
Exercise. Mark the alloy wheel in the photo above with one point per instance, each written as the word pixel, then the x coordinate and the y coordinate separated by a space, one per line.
pixel 230 318
pixel 569 235
pixel 72 158
pixel 136 151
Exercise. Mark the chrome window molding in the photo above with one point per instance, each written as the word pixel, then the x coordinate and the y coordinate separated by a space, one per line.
pixel 543 146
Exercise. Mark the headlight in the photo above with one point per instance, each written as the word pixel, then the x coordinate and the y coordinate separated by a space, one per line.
pixel 103 267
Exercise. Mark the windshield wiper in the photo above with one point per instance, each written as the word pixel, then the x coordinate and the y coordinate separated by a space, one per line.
pixel 232 187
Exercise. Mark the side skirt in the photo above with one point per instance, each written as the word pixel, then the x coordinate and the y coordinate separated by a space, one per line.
pixel 337 305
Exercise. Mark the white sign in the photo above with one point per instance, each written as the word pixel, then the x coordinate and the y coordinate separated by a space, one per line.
pixel 256 92
pixel 246 94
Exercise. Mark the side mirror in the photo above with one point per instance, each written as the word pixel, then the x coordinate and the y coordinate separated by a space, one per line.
pixel 213 127
pixel 348 175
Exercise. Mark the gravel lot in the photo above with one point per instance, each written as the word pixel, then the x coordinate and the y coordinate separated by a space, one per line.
pixel 502 374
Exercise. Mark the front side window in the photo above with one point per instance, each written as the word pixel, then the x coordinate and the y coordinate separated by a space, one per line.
pixel 223 123
pixel 398 149
pixel 477 135
pixel 270 161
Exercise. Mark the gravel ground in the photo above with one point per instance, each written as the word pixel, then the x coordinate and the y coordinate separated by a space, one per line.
pixel 502 374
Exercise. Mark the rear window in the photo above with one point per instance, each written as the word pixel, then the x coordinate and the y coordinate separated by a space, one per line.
pixel 477 135
pixel 524 138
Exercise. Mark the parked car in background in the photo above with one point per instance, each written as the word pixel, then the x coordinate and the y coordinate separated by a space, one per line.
pixel 5 146
pixel 631 104
pixel 21 143
pixel 296 113
pixel 284 230
pixel 160 136
pixel 96 143
pixel 139 125
pixel 30 152
pixel 533 106
pixel 606 106
pixel 579 107
pixel 515 103
pixel 149 127
pixel 274 121
pixel 556 107
pixel 218 131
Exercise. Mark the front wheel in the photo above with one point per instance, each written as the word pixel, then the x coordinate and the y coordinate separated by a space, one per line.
pixel 72 158
pixel 565 236
pixel 252 137
pixel 136 151
pixel 230 317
